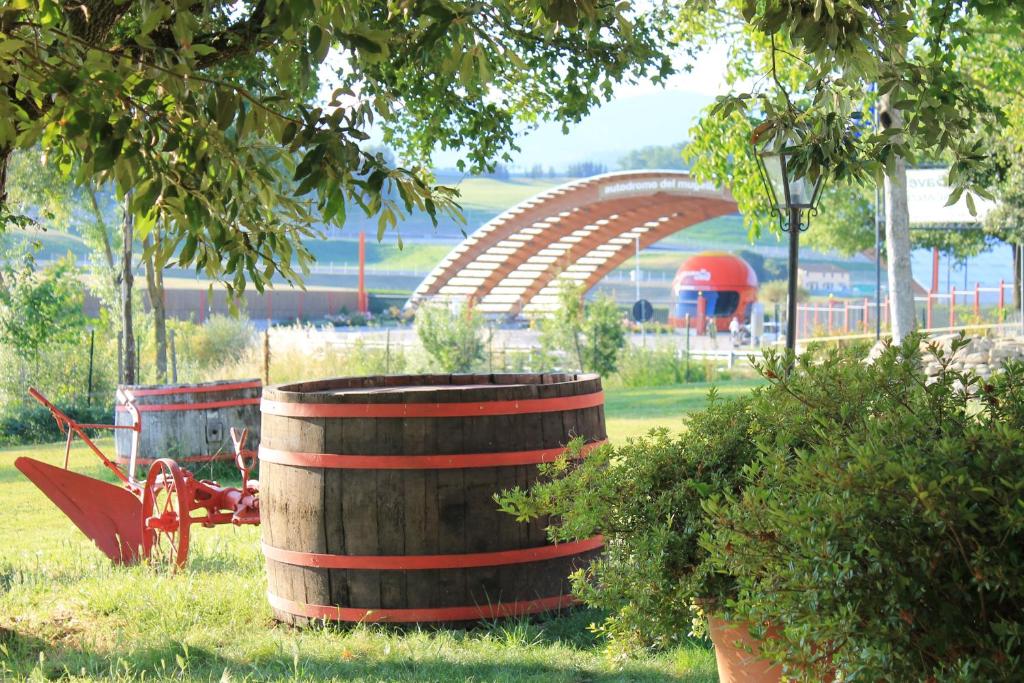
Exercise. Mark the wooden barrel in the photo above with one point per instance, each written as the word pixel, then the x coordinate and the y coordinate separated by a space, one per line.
pixel 376 495
pixel 189 422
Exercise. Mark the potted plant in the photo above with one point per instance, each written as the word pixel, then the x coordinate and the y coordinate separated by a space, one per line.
pixel 881 529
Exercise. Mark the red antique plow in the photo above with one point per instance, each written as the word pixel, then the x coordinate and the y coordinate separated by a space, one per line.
pixel 141 519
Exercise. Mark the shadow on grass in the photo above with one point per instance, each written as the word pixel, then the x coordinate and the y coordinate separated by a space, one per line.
pixel 437 659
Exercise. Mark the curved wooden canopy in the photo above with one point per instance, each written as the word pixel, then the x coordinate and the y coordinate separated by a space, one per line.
pixel 578 231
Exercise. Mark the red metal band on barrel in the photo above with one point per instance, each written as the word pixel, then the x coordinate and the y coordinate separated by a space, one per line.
pixel 166 407
pixel 196 390
pixel 412 562
pixel 515 407
pixel 470 613
pixel 417 462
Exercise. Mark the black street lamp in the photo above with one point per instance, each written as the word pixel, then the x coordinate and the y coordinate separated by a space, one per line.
pixel 789 198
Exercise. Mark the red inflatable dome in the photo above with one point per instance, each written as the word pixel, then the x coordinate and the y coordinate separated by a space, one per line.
pixel 722 284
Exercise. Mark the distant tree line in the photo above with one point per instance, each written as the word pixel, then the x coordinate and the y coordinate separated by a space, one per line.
pixel 656 156
pixel 585 169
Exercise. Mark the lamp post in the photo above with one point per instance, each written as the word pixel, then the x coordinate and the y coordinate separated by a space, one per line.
pixel 790 198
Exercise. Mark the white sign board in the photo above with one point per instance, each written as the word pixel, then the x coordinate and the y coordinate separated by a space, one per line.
pixel 927 194
pixel 672 185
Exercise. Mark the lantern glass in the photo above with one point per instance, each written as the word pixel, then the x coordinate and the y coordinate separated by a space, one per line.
pixel 775 178
pixel 784 192
pixel 801 194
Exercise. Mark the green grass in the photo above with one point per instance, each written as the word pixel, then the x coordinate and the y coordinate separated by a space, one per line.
pixel 633 412
pixel 65 611
pixel 490 194
pixel 386 254
pixel 52 245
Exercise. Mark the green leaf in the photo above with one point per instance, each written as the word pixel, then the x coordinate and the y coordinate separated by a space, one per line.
pixel 227 105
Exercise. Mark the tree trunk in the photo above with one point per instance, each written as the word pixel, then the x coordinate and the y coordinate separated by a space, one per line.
pixel 155 289
pixel 897 236
pixel 101 224
pixel 5 157
pixel 127 280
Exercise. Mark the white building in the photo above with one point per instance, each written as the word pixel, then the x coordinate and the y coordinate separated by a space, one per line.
pixel 823 277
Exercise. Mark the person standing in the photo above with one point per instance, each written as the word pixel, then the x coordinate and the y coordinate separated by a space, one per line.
pixel 734 330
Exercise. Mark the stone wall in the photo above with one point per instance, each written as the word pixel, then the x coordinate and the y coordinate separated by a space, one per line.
pixel 983 355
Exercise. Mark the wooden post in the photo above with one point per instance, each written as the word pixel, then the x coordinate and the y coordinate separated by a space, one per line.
pixel 266 356
pixel 928 308
pixel 952 306
pixel 686 377
pixel 1002 300
pixel 830 302
pixel 977 299
pixel 174 359
pixel 702 309
pixel 867 315
pixel 846 317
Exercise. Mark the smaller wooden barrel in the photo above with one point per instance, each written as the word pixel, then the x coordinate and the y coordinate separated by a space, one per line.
pixel 377 495
pixel 189 422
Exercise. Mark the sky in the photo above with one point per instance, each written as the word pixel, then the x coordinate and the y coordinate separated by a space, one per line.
pixel 639 115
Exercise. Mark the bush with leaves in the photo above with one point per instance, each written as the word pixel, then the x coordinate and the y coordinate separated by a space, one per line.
pixel 221 340
pixel 40 308
pixel 645 497
pixel 590 335
pixel 660 366
pixel 882 529
pixel 44 342
pixel 451 335
pixel 27 422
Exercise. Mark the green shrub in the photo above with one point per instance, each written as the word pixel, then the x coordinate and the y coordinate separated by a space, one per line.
pixel 882 529
pixel 873 516
pixel 854 348
pixel 645 497
pixel 590 336
pixel 30 423
pixel 40 308
pixel 61 372
pixel 451 337
pixel 221 340
pixel 639 367
pixel 650 367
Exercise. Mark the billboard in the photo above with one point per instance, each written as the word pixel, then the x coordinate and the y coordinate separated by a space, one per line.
pixel 927 194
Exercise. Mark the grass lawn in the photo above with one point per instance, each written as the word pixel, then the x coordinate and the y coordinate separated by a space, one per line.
pixel 633 412
pixel 490 194
pixel 65 611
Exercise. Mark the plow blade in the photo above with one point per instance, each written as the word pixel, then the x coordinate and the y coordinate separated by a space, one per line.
pixel 108 514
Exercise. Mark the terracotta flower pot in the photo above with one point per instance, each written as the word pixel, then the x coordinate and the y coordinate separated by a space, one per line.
pixel 737 654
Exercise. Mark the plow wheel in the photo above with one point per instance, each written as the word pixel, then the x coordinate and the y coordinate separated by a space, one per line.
pixel 166 505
